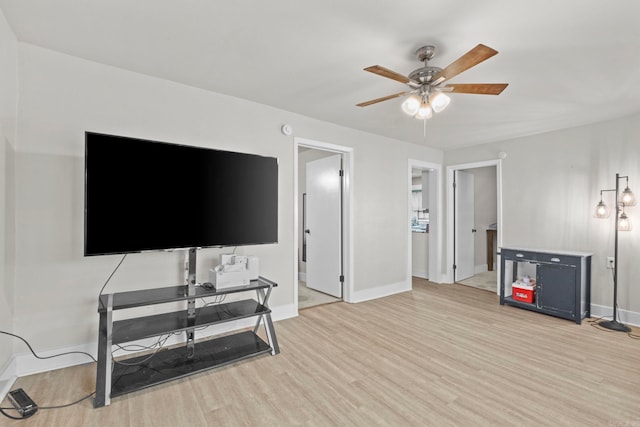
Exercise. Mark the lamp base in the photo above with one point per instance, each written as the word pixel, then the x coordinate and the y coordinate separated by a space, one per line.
pixel 614 325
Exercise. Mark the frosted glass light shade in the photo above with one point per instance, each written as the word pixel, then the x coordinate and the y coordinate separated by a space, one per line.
pixel 411 105
pixel 624 224
pixel 424 112
pixel 602 210
pixel 439 101
pixel 627 198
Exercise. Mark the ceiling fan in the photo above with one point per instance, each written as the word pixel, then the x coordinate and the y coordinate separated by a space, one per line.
pixel 427 82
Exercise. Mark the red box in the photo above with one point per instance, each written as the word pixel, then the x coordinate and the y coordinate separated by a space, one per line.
pixel 523 292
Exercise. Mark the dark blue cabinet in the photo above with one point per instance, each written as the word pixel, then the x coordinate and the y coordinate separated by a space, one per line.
pixel 562 281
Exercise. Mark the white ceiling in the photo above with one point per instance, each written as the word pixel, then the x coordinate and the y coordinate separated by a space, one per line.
pixel 567 62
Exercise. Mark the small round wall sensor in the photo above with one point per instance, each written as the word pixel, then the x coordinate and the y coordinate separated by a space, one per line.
pixel 502 155
pixel 286 130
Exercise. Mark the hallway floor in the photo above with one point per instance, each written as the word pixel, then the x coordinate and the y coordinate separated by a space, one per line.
pixel 308 297
pixel 487 280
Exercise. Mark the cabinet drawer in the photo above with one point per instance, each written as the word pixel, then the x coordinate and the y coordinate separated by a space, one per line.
pixel 558 259
pixel 523 255
pixel 515 255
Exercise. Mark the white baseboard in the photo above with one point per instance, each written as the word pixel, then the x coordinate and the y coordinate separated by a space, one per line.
pixel 421 274
pixel 380 291
pixel 480 269
pixel 283 312
pixel 7 378
pixel 624 316
pixel 27 364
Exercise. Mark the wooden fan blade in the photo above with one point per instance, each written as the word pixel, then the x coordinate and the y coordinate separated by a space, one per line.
pixel 466 61
pixel 477 88
pixel 385 72
pixel 384 98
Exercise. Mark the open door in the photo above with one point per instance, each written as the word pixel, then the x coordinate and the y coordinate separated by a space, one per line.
pixel 464 228
pixel 323 221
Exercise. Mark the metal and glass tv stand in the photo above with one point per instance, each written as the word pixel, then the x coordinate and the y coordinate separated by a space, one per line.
pixel 115 378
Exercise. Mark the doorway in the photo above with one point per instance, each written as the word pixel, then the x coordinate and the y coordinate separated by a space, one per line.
pixel 323 218
pixel 474 200
pixel 424 219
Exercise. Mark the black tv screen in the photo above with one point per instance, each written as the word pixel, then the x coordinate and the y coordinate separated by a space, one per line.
pixel 145 195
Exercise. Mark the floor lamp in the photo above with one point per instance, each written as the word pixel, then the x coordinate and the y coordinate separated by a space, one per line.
pixel 622 223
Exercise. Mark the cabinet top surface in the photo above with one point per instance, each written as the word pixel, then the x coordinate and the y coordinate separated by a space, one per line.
pixel 548 251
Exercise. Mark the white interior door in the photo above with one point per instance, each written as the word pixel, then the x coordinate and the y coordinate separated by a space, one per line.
pixel 323 233
pixel 464 226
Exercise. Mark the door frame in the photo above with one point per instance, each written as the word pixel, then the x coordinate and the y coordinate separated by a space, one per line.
pixel 347 213
pixel 435 219
pixel 450 209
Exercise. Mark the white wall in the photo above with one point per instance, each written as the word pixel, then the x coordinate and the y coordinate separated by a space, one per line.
pixel 551 184
pixel 62 96
pixel 8 108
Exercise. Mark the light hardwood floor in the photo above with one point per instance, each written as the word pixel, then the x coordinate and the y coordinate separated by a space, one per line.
pixel 436 356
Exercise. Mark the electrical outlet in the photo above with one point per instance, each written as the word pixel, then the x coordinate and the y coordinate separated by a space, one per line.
pixel 610 262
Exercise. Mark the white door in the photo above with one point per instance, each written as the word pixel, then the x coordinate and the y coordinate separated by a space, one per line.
pixel 323 232
pixel 464 226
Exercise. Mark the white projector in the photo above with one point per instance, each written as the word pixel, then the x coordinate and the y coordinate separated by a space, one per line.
pixel 234 271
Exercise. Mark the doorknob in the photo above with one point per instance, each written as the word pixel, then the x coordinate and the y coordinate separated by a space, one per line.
pixel 307 231
pixel 473 230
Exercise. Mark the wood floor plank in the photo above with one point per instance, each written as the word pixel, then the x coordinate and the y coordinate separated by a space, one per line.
pixel 435 356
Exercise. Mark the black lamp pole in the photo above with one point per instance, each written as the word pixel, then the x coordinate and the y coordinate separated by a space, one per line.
pixel 614 324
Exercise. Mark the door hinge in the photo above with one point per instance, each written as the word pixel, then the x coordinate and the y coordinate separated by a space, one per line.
pixel 341 279
pixel 454 185
pixel 341 172
pixel 455 266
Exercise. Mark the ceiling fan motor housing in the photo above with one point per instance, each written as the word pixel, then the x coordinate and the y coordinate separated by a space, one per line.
pixel 425 53
pixel 424 74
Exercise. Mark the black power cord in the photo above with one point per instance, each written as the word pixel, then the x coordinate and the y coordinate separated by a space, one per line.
pixel 111 275
pixel 2 410
pixel 594 322
pixel 12 417
pixel 47 357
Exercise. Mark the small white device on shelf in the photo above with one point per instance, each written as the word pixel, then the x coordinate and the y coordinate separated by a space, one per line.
pixel 234 271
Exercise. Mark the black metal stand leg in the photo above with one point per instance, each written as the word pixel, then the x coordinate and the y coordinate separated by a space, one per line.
pixel 260 297
pixel 266 319
pixel 191 304
pixel 103 370
pixel 264 300
pixel 271 335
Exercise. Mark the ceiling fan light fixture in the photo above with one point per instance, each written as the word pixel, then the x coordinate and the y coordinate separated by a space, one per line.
pixel 424 112
pixel 411 105
pixel 439 101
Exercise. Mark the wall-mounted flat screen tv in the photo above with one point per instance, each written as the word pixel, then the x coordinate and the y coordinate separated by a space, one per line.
pixel 145 195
